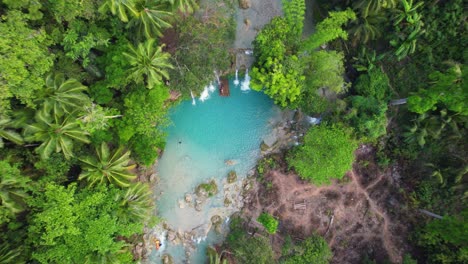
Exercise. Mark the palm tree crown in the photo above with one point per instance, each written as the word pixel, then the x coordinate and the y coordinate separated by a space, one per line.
pixel 151 19
pixel 120 8
pixel 108 167
pixel 64 96
pixel 56 133
pixel 148 63
pixel 135 203
pixel 7 133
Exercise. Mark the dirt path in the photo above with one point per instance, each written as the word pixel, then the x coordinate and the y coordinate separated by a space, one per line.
pixel 364 207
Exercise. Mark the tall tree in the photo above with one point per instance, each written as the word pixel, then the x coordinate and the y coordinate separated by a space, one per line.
pixel 108 167
pixel 148 63
pixel 121 8
pixel 7 132
pixel 327 153
pixel 56 133
pixel 184 6
pixel 447 89
pixel 365 29
pixel 408 28
pixel 151 19
pixel 135 204
pixel 312 250
pixel 63 96
pixel 13 191
pixel 25 59
pixel 329 29
pixel 78 226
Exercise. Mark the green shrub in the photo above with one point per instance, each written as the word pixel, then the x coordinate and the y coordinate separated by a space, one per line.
pixel 312 250
pixel 373 84
pixel 327 153
pixel 269 222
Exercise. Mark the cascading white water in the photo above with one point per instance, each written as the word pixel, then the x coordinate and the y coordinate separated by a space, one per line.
pixel 217 77
pixel 313 120
pixel 205 94
pixel 211 87
pixel 245 86
pixel 236 80
pixel 193 98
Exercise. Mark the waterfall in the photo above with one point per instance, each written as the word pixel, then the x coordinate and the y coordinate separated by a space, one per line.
pixel 217 77
pixel 245 86
pixel 211 87
pixel 205 94
pixel 236 80
pixel 313 120
pixel 193 98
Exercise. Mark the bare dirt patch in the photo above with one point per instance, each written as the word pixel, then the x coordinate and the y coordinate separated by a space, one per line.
pixel 360 215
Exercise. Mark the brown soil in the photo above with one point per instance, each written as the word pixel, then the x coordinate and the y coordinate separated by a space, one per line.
pixel 359 215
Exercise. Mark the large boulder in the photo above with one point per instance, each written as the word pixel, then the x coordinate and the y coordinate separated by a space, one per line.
pixel 245 4
pixel 167 259
pixel 206 190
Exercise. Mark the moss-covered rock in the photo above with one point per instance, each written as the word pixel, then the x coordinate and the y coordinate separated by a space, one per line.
pixel 232 176
pixel 207 189
pixel 227 202
pixel 167 259
pixel 264 146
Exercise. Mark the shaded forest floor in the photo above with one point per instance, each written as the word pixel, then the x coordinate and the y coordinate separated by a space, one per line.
pixel 360 215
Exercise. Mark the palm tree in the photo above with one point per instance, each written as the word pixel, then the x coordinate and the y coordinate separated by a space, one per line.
pixel 9 255
pixel 216 259
pixel 148 63
pixel 135 204
pixel 184 6
pixel 366 28
pixel 12 190
pixel 369 7
pixel 119 8
pixel 63 96
pixel 407 13
pixel 151 18
pixel 56 133
pixel 108 167
pixel 7 133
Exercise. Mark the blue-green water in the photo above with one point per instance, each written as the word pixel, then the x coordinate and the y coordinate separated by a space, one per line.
pixel 200 141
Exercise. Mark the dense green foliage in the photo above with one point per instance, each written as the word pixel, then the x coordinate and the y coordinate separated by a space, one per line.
pixel 83 88
pixel 287 68
pixel 327 154
pixel 446 240
pixel 312 250
pixel 246 248
pixel 202 47
pixel 78 226
pixel 414 50
pixel 269 222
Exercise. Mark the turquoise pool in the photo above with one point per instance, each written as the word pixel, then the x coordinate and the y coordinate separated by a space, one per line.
pixel 200 140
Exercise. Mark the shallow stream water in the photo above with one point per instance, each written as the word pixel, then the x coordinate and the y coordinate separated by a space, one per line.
pixel 202 139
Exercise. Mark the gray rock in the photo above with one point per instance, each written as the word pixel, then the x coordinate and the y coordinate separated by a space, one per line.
pixel 171 235
pixel 167 259
pixel 188 198
pixel 199 207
